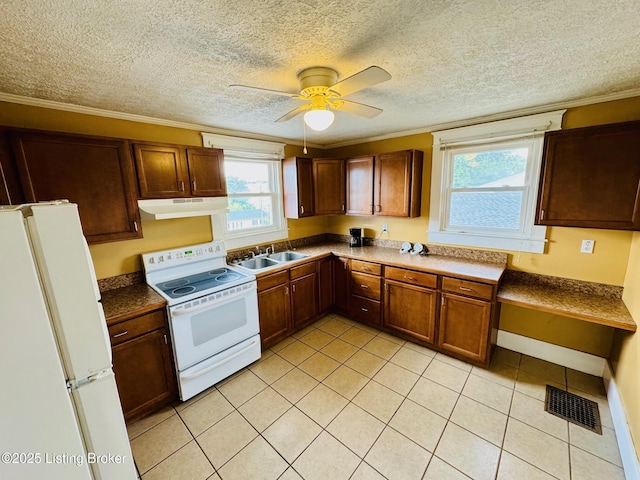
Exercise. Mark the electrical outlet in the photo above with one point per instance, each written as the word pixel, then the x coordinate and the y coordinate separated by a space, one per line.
pixel 587 246
pixel 385 228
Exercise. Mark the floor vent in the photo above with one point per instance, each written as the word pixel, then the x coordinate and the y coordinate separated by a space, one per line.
pixel 575 409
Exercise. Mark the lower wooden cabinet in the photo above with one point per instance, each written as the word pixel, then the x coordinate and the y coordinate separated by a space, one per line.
pixel 365 292
pixel 143 364
pixel 410 310
pixel 274 306
pixel 325 284
pixel 304 294
pixel 464 328
pixel 341 276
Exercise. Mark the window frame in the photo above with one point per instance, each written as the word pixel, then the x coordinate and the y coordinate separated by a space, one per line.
pixel 524 131
pixel 271 153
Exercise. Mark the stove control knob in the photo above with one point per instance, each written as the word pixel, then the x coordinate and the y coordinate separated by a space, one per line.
pixel 152 260
pixel 217 248
pixel 161 258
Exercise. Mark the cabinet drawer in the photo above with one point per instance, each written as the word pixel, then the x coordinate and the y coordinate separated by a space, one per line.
pixel 272 280
pixel 302 270
pixel 123 331
pixel 467 287
pixel 365 285
pixel 409 276
pixel 365 267
pixel 365 309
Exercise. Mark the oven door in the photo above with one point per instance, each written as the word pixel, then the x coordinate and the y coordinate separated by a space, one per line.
pixel 209 325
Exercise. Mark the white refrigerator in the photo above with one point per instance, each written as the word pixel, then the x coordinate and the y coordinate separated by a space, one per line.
pixel 60 413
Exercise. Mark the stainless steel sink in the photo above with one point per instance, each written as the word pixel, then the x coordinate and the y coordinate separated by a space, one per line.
pixel 287 256
pixel 258 263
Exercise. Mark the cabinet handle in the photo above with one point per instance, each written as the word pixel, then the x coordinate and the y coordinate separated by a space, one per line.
pixel 121 334
pixel 135 225
pixel 378 208
pixel 343 208
pixel 301 209
pixel 366 269
pixel 465 289
pixel 193 185
pixel 442 302
pixel 286 290
pixel 345 265
pixel 364 309
pixel 364 286
pixel 181 186
pixel 541 214
pixel 409 278
pixel 165 340
pixel 293 287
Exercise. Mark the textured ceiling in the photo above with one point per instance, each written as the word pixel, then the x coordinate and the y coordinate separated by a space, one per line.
pixel 450 60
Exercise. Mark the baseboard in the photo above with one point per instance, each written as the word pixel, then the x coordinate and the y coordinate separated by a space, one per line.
pixel 623 434
pixel 583 362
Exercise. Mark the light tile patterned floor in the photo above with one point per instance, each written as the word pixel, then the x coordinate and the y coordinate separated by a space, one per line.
pixel 339 400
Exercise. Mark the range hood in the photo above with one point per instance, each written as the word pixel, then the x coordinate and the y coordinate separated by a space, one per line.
pixel 166 208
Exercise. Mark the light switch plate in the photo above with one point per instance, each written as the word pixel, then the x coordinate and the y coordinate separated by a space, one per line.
pixel 587 246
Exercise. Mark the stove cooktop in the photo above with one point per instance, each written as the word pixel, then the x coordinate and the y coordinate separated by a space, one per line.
pixel 210 281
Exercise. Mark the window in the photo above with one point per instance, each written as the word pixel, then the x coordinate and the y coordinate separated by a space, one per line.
pixel 484 184
pixel 252 170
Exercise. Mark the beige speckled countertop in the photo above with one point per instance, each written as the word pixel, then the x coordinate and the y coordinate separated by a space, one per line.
pixel 122 303
pixel 443 265
pixel 602 309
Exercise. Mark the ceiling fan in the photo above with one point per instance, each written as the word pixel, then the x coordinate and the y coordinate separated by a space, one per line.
pixel 321 92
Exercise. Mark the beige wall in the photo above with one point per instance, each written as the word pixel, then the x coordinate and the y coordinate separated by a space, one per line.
pixel 116 258
pixel 625 354
pixel 562 258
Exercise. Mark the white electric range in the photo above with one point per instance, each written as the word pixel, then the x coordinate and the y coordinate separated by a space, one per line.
pixel 213 313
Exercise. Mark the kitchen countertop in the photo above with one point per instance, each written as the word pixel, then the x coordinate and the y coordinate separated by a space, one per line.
pixel 593 303
pixel 443 265
pixel 122 303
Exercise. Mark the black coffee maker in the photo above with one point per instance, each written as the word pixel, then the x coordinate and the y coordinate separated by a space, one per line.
pixel 356 237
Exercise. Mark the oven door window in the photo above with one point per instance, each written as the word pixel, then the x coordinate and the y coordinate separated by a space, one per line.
pixel 203 332
pixel 208 325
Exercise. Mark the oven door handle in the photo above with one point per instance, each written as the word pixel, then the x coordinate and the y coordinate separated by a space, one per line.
pixel 220 363
pixel 178 310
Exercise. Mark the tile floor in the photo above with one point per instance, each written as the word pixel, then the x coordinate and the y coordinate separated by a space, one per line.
pixel 339 400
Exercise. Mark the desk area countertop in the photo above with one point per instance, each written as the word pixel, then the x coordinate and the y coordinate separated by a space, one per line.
pixel 595 303
pixel 120 303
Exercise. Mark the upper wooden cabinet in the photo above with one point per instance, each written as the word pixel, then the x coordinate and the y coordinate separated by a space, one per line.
pixel 591 177
pixel 329 186
pixel 96 173
pixel 297 173
pixel 389 184
pixel 359 172
pixel 170 171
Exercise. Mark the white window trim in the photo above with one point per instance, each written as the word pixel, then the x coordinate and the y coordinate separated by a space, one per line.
pixel 533 237
pixel 254 150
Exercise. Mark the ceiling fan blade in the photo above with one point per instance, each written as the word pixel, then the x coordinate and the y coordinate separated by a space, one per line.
pixel 264 90
pixel 355 108
pixel 294 112
pixel 366 78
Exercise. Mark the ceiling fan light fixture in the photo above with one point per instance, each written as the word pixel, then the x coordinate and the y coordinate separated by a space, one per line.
pixel 318 120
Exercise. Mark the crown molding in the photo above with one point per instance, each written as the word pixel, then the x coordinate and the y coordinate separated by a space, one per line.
pixel 68 107
pixel 132 117
pixel 494 117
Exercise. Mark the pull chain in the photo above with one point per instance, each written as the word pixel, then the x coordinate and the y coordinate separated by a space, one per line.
pixel 304 136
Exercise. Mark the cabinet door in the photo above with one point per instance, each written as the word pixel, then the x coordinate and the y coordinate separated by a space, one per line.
pixel 398 184
pixel 341 280
pixel 275 317
pixel 329 185
pixel 298 187
pixel 591 178
pixel 144 373
pixel 325 284
pixel 95 173
pixel 464 326
pixel 162 171
pixel 359 173
pixel 304 300
pixel 206 172
pixel 410 310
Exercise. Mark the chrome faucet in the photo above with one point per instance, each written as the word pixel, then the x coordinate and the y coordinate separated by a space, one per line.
pixel 272 249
